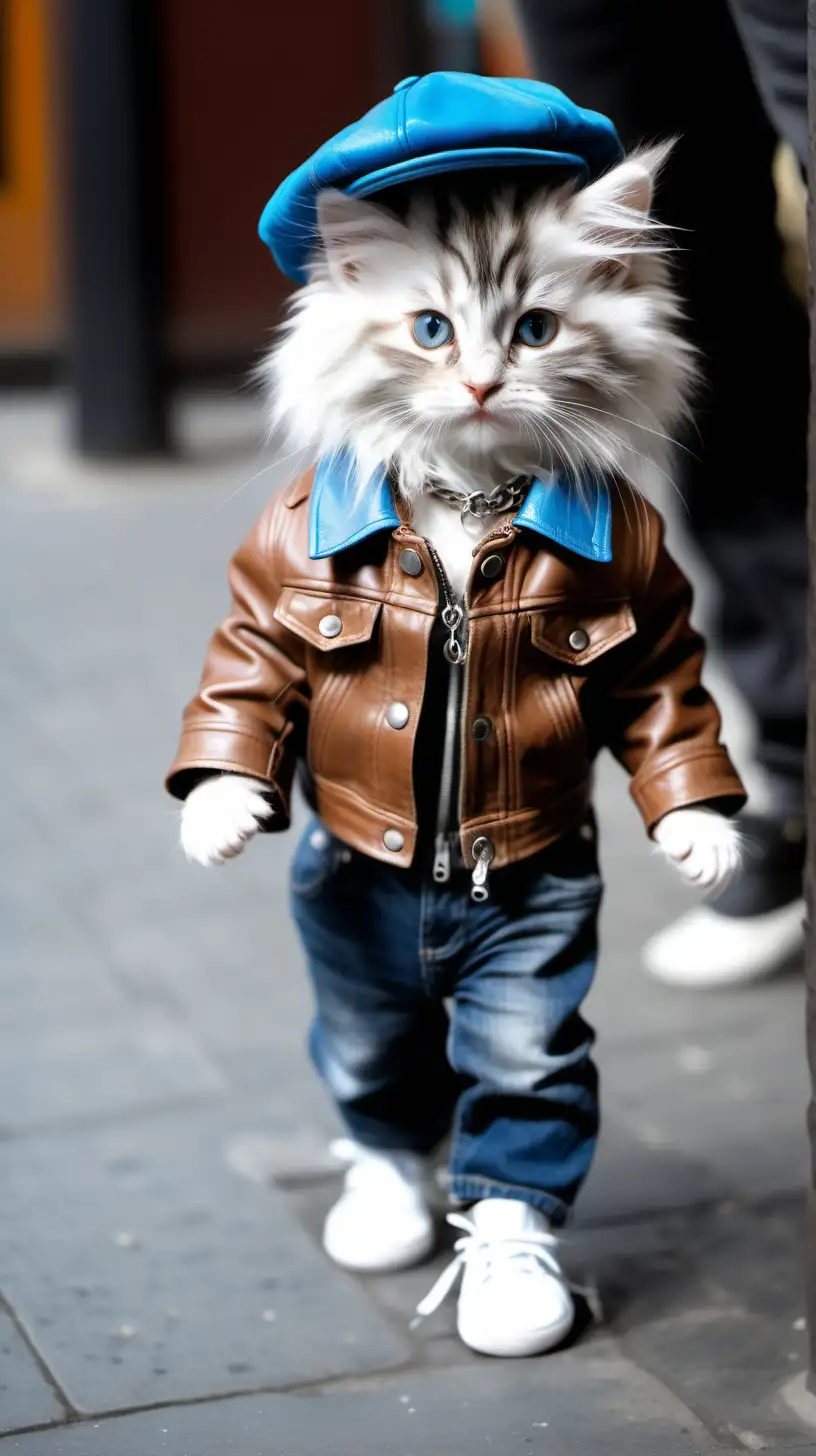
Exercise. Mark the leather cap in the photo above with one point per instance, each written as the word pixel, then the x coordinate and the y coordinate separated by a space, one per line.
pixel 447 121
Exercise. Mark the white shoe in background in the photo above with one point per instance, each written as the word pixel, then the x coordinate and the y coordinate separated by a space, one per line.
pixel 705 949
pixel 515 1299
pixel 382 1221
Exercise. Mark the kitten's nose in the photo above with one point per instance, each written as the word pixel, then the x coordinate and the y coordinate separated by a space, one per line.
pixel 481 392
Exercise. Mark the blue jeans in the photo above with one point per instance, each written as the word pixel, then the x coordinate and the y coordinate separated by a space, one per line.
pixel 509 1068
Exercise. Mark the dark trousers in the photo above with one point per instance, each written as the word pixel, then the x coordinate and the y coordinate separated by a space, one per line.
pixel 727 84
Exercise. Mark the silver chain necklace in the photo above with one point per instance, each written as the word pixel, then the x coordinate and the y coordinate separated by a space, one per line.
pixel 478 503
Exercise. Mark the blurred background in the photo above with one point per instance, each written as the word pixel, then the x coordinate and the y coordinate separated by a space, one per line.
pixel 163 1143
pixel 138 146
pixel 227 102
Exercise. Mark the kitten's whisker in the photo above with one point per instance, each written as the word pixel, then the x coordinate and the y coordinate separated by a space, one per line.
pixel 563 439
pixel 273 464
pixel 638 424
pixel 590 441
pixel 626 445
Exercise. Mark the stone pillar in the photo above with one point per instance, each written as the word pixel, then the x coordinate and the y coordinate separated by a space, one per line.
pixel 114 220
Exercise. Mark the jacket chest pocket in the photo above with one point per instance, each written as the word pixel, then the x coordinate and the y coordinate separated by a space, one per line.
pixel 578 635
pixel 571 639
pixel 341 631
pixel 327 622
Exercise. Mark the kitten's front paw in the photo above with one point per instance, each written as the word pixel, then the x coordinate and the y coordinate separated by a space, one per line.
pixel 220 817
pixel 704 846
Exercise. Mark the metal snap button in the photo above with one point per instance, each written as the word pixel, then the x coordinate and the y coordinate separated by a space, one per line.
pixel 330 626
pixel 410 561
pixel 492 566
pixel 393 840
pixel 397 715
pixel 482 728
pixel 578 639
pixel 319 839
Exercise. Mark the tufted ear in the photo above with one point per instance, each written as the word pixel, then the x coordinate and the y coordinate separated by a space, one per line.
pixel 353 231
pixel 614 211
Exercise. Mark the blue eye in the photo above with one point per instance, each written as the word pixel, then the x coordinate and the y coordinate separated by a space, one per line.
pixel 432 330
pixel 536 328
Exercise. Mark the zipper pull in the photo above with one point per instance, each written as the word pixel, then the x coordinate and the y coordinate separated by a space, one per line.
pixel 482 852
pixel 452 616
pixel 442 859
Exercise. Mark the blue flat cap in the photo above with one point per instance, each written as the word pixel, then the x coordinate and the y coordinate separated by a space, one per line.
pixel 447 121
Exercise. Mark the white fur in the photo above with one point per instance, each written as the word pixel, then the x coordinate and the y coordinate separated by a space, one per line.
pixel 454 539
pixel 606 394
pixel 704 846
pixel 220 816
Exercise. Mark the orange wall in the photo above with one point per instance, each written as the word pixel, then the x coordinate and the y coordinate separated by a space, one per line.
pixel 29 307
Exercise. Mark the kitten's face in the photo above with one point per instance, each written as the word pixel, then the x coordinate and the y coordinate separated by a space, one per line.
pixel 521 334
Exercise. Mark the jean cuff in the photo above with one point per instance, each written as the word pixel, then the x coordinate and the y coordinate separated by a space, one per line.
pixel 467 1189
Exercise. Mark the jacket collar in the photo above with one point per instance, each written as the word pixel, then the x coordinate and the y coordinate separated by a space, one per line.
pixel 340 514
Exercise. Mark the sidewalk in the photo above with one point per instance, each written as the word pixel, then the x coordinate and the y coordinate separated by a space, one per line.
pixel 163 1164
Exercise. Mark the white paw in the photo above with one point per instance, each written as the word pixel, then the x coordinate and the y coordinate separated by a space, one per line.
pixel 220 817
pixel 704 846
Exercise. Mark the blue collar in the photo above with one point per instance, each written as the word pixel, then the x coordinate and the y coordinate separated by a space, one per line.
pixel 341 514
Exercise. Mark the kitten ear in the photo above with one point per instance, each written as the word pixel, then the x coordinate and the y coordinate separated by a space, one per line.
pixel 351 229
pixel 615 209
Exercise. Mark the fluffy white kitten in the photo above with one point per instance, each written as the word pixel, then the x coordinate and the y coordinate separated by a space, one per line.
pixel 599 387
pixel 604 395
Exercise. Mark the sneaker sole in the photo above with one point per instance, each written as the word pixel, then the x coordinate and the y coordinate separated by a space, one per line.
pixel 533 1342
pixel 409 1256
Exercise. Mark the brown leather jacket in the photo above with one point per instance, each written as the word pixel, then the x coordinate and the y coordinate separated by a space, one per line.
pixel 327 660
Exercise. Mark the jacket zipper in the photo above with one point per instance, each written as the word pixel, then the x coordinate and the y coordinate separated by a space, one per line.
pixel 455 651
pixel 482 850
pixel 454 618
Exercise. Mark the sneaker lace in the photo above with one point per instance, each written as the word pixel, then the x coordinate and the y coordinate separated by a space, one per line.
pixel 527 1253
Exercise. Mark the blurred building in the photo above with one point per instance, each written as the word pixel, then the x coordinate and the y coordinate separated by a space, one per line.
pixel 30 307
pixel 239 93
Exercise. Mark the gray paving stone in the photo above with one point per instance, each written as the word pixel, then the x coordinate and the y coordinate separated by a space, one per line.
pixel 57 1072
pixel 712 1301
pixel 26 1397
pixel 732 1126
pixel 566 1404
pixel 145 1269
pixel 44 982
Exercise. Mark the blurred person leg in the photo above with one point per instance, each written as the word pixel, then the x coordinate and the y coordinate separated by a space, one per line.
pixel 658 72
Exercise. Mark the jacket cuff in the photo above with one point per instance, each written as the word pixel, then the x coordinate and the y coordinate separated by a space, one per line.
pixel 684 782
pixel 206 751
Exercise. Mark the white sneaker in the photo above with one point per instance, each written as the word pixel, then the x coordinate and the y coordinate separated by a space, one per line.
pixel 705 949
pixel 514 1299
pixel 382 1220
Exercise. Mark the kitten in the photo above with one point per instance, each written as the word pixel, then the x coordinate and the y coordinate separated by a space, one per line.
pixel 468 337
pixel 595 382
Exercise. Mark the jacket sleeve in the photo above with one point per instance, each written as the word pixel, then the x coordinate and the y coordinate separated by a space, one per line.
pixel 253 696
pixel 664 726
